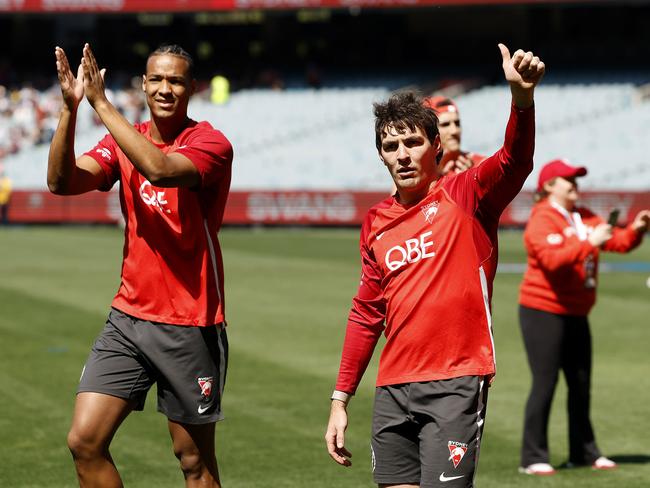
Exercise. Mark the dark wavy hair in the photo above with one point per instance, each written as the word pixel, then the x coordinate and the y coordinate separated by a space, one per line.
pixel 175 50
pixel 404 110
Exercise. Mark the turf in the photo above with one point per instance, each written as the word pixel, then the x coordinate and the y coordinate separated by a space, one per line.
pixel 288 292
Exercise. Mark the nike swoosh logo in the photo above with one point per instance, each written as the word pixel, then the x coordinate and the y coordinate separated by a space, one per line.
pixel 203 409
pixel 182 147
pixel 379 236
pixel 444 478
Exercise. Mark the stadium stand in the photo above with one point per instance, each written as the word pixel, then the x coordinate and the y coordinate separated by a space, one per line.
pixel 599 125
pixel 308 139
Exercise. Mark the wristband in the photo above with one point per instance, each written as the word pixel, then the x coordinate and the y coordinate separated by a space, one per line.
pixel 341 396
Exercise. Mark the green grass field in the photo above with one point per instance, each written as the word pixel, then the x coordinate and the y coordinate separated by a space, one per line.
pixel 288 293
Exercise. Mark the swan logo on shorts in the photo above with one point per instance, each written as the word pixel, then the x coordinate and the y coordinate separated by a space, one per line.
pixel 206 385
pixel 456 452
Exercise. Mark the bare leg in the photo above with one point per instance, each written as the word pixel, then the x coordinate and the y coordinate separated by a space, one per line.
pixel 194 448
pixel 399 486
pixel 94 423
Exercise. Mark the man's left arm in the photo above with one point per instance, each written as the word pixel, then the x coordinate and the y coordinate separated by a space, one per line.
pixel 502 175
pixel 163 170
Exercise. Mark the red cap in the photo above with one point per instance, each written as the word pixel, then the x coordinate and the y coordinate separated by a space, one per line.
pixel 440 104
pixel 561 168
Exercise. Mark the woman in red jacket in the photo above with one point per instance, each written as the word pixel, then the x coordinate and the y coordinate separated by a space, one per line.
pixel 563 242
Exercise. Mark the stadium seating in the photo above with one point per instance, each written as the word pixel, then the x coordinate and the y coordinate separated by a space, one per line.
pixel 324 139
pixel 601 126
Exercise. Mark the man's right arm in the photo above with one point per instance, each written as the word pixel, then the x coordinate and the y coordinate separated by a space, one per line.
pixel 365 325
pixel 67 175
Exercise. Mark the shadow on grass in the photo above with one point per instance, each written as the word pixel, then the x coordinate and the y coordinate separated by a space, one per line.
pixel 631 458
pixel 618 459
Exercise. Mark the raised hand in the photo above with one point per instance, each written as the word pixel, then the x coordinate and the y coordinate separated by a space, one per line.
pixel 72 88
pixel 524 71
pixel 93 77
pixel 641 221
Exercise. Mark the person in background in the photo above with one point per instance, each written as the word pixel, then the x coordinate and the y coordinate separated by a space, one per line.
pixel 564 243
pixel 219 90
pixel 5 196
pixel 454 159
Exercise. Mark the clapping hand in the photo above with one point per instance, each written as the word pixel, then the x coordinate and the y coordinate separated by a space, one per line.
pixel 72 88
pixel 93 77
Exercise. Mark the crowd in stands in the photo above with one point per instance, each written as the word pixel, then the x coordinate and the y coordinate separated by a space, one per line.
pixel 28 116
pixel 296 127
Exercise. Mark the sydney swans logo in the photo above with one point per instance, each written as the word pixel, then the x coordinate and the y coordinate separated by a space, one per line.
pixel 430 210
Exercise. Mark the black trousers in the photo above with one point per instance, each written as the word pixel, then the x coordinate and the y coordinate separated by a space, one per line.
pixel 555 342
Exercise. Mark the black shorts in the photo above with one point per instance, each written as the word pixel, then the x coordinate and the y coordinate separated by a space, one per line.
pixel 428 433
pixel 188 364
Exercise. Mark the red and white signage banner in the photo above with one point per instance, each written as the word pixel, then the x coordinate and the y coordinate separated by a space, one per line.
pixel 300 207
pixel 104 6
pixel 331 208
pixel 41 206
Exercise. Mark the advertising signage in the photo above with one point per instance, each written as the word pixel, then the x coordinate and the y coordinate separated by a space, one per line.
pixel 133 6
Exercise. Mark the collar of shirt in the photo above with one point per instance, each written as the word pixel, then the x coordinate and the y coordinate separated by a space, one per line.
pixel 573 219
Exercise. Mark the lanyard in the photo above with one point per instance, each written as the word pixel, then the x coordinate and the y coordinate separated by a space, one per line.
pixel 573 219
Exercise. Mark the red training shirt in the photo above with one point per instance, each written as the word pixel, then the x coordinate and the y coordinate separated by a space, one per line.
pixel 427 272
pixel 172 271
pixel 562 272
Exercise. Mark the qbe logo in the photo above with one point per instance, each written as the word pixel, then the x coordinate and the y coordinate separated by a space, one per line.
pixel 412 251
pixel 153 198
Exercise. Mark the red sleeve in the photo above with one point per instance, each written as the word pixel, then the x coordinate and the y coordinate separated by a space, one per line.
pixel 546 242
pixel 365 321
pixel 477 158
pixel 105 153
pixel 623 240
pixel 501 176
pixel 211 153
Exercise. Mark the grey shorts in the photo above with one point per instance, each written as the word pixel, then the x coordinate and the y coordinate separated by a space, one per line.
pixel 188 364
pixel 428 433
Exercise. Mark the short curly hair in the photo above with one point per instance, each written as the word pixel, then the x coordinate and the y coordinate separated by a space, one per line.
pixel 404 110
pixel 175 50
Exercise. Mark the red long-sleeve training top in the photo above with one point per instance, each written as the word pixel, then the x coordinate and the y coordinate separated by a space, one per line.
pixel 427 272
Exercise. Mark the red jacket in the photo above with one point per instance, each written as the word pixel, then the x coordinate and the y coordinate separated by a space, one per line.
pixel 562 272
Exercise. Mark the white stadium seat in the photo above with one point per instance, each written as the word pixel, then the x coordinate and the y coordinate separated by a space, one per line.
pixel 324 139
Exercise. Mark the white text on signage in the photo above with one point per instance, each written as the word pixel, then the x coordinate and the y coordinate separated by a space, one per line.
pixel 311 207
